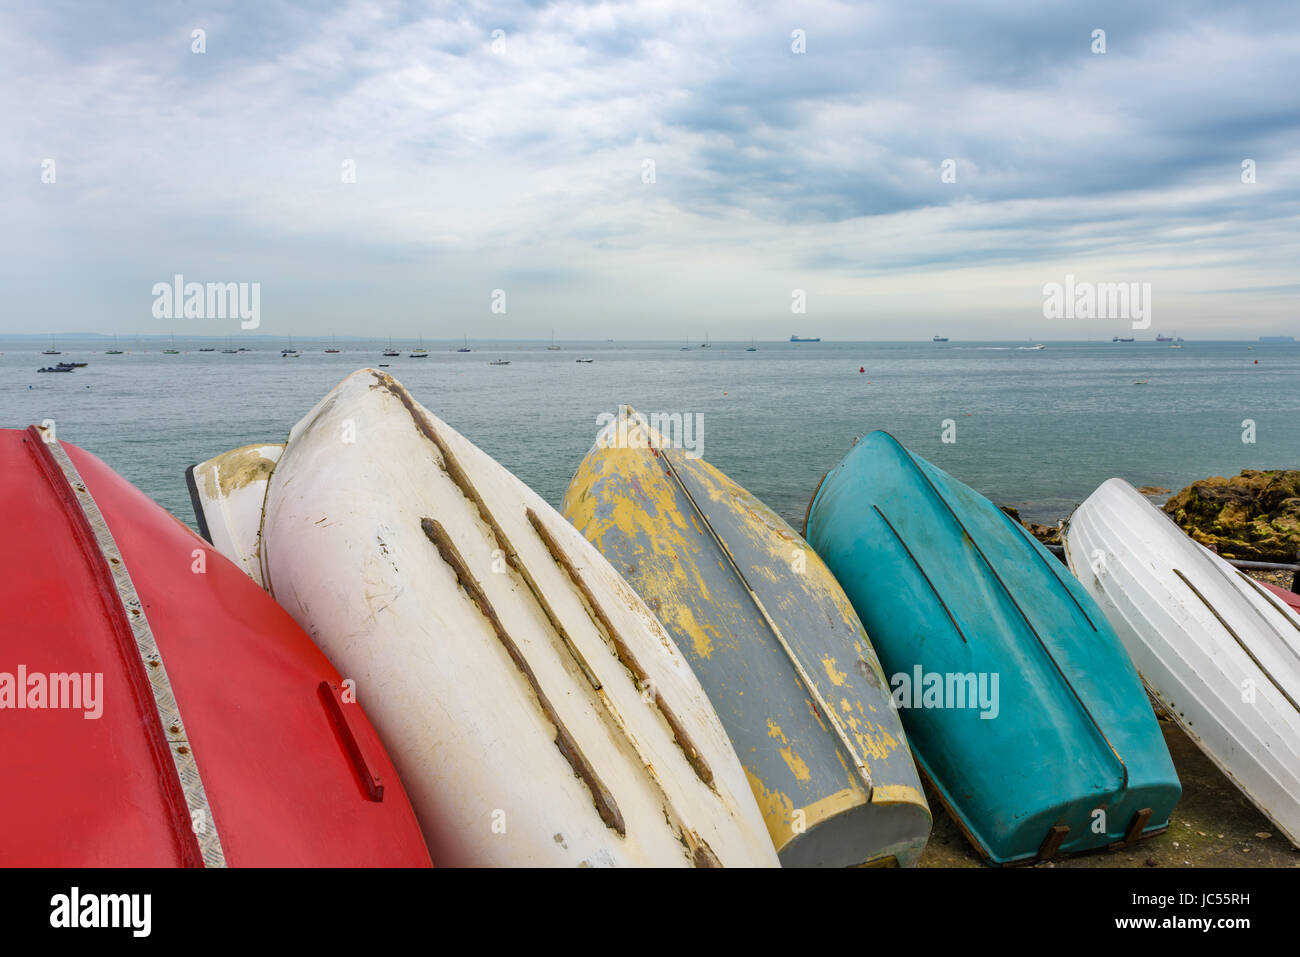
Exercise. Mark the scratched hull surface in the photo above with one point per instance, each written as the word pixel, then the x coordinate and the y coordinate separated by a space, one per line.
pixel 538 712
pixel 949 586
pixel 1220 652
pixel 772 638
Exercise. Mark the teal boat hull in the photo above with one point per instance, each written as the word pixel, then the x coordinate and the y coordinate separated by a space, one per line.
pixel 1060 752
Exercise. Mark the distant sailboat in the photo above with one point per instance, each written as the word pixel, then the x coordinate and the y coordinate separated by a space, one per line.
pixel 390 351
pixel 333 346
pixel 229 351
pixel 706 344
pixel 290 351
pixel 420 352
pixel 465 347
pixel 552 347
pixel 51 351
pixel 687 347
pixel 752 347
pixel 115 351
pixel 173 351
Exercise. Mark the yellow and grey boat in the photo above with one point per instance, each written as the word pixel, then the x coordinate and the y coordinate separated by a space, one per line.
pixel 772 638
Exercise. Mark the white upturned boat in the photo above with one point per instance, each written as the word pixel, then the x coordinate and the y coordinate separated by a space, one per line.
pixel 227 494
pixel 536 709
pixel 1219 652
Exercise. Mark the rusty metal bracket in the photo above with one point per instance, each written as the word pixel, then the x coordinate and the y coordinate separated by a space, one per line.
pixel 1137 825
pixel 1052 843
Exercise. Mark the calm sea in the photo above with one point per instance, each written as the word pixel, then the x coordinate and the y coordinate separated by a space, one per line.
pixel 1038 429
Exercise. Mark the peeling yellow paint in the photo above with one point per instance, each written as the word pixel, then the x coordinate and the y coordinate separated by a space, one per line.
pixel 833 804
pixel 796 764
pixel 235 469
pixel 666 552
pixel 836 677
pixel 774 731
pixel 777 811
pixel 896 794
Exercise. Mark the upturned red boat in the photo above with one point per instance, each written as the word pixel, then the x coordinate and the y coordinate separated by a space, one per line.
pixel 156 707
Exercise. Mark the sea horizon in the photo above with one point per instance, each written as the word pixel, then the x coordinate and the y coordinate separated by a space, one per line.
pixel 1036 429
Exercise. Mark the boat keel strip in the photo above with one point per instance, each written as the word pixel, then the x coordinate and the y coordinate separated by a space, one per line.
pixel 1237 638
pixel 859 765
pixel 621 650
pixel 564 741
pixel 1010 595
pixel 192 819
pixel 699 851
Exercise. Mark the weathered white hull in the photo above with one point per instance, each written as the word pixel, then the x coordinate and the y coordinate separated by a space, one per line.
pixel 227 492
pixel 537 711
pixel 1220 653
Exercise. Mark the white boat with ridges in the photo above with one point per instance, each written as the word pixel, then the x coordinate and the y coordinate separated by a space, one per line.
pixel 538 712
pixel 1218 651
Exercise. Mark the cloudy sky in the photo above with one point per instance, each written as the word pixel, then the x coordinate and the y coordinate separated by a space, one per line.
pixel 521 160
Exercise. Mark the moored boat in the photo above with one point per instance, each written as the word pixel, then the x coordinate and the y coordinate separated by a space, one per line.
pixel 156 708
pixel 1018 698
pixel 537 710
pixel 1218 650
pixel 772 638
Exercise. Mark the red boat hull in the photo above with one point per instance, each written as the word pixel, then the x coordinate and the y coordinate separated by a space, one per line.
pixel 1291 599
pixel 292 773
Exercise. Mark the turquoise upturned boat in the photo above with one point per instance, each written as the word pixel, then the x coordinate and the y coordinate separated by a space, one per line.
pixel 1060 752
